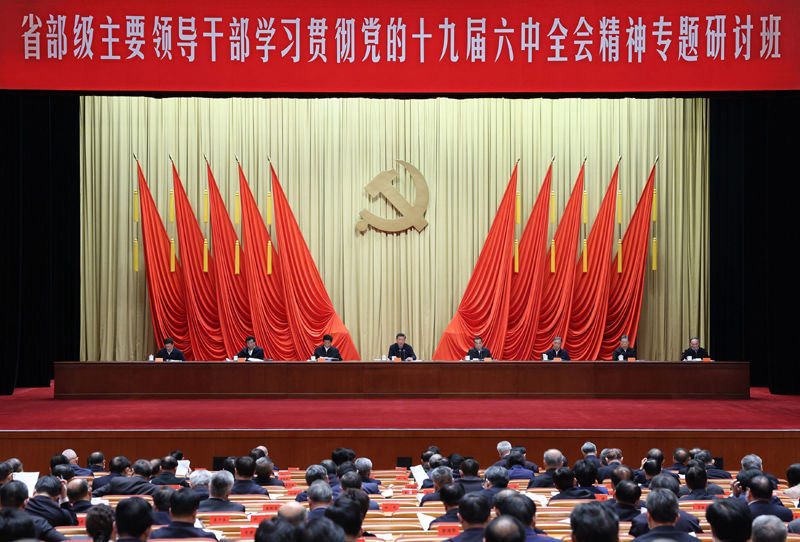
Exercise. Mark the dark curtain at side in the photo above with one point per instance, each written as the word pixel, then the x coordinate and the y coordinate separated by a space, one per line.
pixel 754 216
pixel 40 236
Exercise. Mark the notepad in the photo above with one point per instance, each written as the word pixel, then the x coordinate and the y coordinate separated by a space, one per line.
pixel 419 474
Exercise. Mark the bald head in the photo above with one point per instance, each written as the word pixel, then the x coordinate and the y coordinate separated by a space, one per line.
pixel 293 512
pixel 78 490
pixel 553 458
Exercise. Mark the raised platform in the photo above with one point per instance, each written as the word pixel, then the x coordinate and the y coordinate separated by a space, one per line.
pixel 393 380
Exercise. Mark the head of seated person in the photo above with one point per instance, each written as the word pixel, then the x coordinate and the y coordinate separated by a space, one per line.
pixel 564 478
pixel 504 529
pixel 665 481
pixel 510 503
pixel 496 476
pixel 245 467
pixel 58 459
pixel 183 505
pixel 320 529
pixel 163 498
pixel 316 472
pixel 264 468
pixel 100 522
pixel 346 513
pixel 142 468
pixel 553 459
pixel 364 467
pixel 330 466
pixel 651 468
pixel 793 474
pixel 276 529
pixel 441 476
pixel 78 490
pixel 360 496
pixel 594 522
pixel 662 508
pixel 169 464
pixel 350 479
pixel 614 455
pixel 768 529
pixel 760 489
pixel 230 464
pixel 319 494
pixel 119 465
pixel 133 518
pixel 345 467
pixel 48 486
pixel 619 473
pixel 515 458
pixel 451 495
pixel 13 494
pixel 293 512
pixel 628 493
pixel 469 467
pixel 220 485
pixel 730 520
pixel 340 455
pixel 201 478
pixel 657 455
pixel 473 511
pixel 64 472
pixel 696 478
pixel 585 473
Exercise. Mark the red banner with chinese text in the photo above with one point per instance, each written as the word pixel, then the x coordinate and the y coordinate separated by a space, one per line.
pixel 354 46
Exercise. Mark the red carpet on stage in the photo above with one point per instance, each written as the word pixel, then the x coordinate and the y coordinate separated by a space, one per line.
pixel 35 409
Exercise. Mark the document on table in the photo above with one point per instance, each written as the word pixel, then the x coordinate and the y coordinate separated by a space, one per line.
pixel 425 520
pixel 419 474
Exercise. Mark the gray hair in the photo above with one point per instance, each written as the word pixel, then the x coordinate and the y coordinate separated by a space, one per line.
pixel 503 446
pixel 588 448
pixel 553 458
pixel 221 484
pixel 441 476
pixel 320 491
pixel 363 466
pixel 200 478
pixel 69 453
pixel 557 339
pixel 768 528
pixel 752 461
pixel 497 476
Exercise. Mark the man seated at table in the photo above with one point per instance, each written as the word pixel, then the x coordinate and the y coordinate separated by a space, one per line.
pixel 183 511
pixel 623 352
pixel 169 352
pixel 695 351
pixel 167 477
pixel 478 351
pixel 400 349
pixel 557 352
pixel 327 350
pixel 251 351
pixel 219 490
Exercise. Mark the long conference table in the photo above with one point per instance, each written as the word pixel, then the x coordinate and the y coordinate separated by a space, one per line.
pixel 393 380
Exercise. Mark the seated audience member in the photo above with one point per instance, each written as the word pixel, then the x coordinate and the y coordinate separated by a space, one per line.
pixel 713 472
pixel 662 515
pixel 257 453
pixel 586 475
pixel 613 460
pixel 478 351
pixel 155 466
pixel 119 467
pixel 620 473
pixel 503 449
pixel 264 473
pixel 318 530
pixel 169 352
pixel 364 468
pixel 469 478
pixel 522 508
pixel 361 497
pixel 754 462
pixel 515 463
pixel 16 525
pixel 530 465
pixel 759 495
pixel 169 466
pixel 100 522
pixel 451 495
pixel 686 521
pixel 495 481
pixel 711 488
pixel 218 490
pixel 64 472
pixel 133 519
pixel 425 460
pixel 293 512
pixel 650 469
pixel 589 451
pixel 346 513
pixel 768 529
pixel 352 480
pixel 557 352
pixel 245 467
pixel 793 478
pixel 593 522
pixel 15 464
pixel 276 529
pixel 58 459
pixel 13 497
pixel 401 349
pixel 96 462
pixel 695 351
pixel 327 350
pixel 679 457
pixel 161 503
pixel 137 484
pixel 5 473
pixel 250 350
pixel 697 481
pixel 230 464
pixel 623 352
pixel 44 503
pixel 504 529
pixel 653 454
pixel 320 497
pixel 436 461
pixel 72 457
pixel 331 467
pixel 441 476
pixel 564 480
pixel 626 499
pixel 473 513
pixel 79 496
pixel 552 460
pixel 198 481
pixel 177 454
pixel 730 520
pixel 183 511
pixel 313 473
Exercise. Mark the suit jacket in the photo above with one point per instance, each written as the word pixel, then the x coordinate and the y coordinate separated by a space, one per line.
pixel 717 474
pixel 202 492
pixel 271 481
pixel 532 536
pixel 81 471
pixel 490 492
pixel 161 517
pixel 597 490
pixel 318 512
pixel 473 353
pixel 686 523
pixel 430 497
pixel 371 488
pixel 764 508
pixel 697 495
pixel 303 495
pixel 407 352
pixel 333 352
pixel 99 482
pixel 80 507
pixel 212 504
pixel 50 511
pixel 669 533
pixel 711 489
pixel 680 468
pixel 625 512
pixel 518 472
pixel 96 468
pixel 451 516
pixel 470 484
pixel 573 493
pixel 125 485
pixel 168 479
pixel 544 479
pixel 605 472
pixel 533 467
pixel 563 354
pixel 258 353
pixel 247 487
pixel 689 353
pixel 180 529
pixel 175 355
pixel 594 459
pixel 626 353
pixel 794 526
pixel 43 530
pixel 474 534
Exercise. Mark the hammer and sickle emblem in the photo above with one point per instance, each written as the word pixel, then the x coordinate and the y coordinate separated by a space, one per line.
pixel 413 215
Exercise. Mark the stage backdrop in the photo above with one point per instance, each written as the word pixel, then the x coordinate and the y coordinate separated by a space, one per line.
pixel 325 151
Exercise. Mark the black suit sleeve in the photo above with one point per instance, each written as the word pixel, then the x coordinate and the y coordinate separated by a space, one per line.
pixel 334 353
pixel 486 353
pixel 564 355
pixel 179 355
pixel 319 352
pixel 243 353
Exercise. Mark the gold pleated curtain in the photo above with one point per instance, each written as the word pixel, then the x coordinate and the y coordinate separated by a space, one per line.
pixel 326 150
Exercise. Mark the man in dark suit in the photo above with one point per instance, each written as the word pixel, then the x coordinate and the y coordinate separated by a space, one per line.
pixel 695 351
pixel 557 352
pixel 478 351
pixel 650 469
pixel 169 352
pixel 96 462
pixel 72 457
pixel 369 484
pixel 79 496
pixel 400 349
pixel 251 351
pixel 13 496
pixel 680 456
pixel 169 465
pixel 614 458
pixel 264 473
pixel 245 467
pixel 473 513
pixel 350 479
pixel 662 515
pixel 320 497
pixel 730 520
pixel 495 481
pixel 45 503
pixel 759 497
pixel 754 462
pixel 623 352
pixel 441 476
pixel 626 498
pixel 183 510
pixel 451 495
pixel 138 484
pixel 133 519
pixel 705 457
pixel 199 481
pixel 697 480
pixel 523 509
pixel 504 529
pixel 219 490
pixel 592 521
pixel 327 350
pixel 345 512
pixel 589 451
pixel 120 466
pixel 515 462
pixel 161 502
pixel 553 459
pixel 586 477
pixel 314 473
pixel 564 480
pixel 469 478
pixel 686 522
